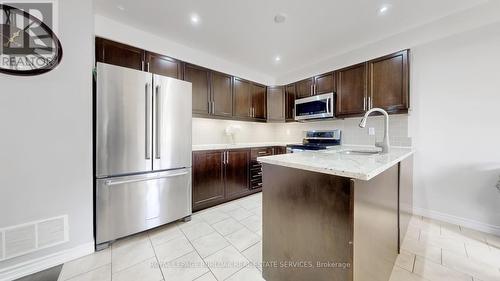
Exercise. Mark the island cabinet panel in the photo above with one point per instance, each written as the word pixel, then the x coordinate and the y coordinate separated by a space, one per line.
pixel 388 86
pixel 163 65
pixel 119 54
pixel 304 88
pixel 276 103
pixel 259 102
pixel 242 98
pixel 237 167
pixel 208 179
pixel 200 79
pixel 290 102
pixel 352 90
pixel 222 94
pixel 324 83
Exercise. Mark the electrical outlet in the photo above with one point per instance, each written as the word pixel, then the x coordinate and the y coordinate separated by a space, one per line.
pixel 371 131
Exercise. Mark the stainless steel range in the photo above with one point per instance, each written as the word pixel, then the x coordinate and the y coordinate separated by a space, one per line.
pixel 317 140
pixel 143 152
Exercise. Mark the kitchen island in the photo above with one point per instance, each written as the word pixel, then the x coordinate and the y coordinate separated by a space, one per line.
pixel 337 214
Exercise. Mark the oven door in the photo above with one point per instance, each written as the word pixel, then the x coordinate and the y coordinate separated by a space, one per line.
pixel 315 107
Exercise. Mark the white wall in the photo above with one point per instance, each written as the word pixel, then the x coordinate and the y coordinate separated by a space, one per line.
pixel 456 127
pixel 120 32
pixel 46 139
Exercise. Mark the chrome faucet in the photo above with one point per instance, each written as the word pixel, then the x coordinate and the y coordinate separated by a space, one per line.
pixel 385 143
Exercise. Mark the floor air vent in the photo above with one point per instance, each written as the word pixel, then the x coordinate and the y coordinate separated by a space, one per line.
pixel 33 236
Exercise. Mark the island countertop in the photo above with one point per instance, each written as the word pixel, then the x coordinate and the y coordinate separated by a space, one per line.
pixel 334 162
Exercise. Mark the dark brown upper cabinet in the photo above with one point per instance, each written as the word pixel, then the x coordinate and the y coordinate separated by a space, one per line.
pixel 324 83
pixel 163 65
pixel 222 94
pixel 208 179
pixel 352 90
pixel 119 54
pixel 242 98
pixel 290 102
pixel 200 79
pixel 388 86
pixel 259 102
pixel 276 103
pixel 304 88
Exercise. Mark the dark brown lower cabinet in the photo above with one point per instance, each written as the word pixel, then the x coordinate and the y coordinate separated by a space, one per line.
pixel 223 175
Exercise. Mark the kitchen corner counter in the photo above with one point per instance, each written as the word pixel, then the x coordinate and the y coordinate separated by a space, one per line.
pixel 334 162
pixel 201 147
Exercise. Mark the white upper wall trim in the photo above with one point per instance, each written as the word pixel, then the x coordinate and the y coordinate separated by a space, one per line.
pixel 117 31
pixel 478 16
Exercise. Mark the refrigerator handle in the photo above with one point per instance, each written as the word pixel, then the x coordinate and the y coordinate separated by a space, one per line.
pixel 148 122
pixel 157 117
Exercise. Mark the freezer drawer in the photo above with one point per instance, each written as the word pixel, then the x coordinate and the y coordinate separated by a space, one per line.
pixel 131 204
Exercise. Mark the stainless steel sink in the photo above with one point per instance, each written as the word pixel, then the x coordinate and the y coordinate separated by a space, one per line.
pixel 360 152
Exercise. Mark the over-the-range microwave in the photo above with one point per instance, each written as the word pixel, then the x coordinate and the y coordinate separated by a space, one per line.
pixel 315 107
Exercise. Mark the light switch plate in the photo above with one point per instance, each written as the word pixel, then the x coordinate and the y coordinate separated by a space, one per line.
pixel 371 131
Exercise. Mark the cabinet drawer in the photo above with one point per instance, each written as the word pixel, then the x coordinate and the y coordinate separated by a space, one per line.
pixel 261 151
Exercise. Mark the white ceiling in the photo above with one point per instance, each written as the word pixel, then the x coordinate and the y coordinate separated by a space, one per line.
pixel 244 32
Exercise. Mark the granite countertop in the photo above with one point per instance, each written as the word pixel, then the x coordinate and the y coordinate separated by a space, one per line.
pixel 333 162
pixel 201 147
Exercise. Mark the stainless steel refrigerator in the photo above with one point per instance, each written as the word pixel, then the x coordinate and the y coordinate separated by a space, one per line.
pixel 142 151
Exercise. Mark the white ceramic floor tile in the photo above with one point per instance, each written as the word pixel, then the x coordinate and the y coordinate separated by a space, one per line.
pixel 185 268
pixel 240 213
pixel 226 262
pixel 165 233
pixel 428 251
pixel 450 244
pixel 206 277
pixel 227 207
pixel 131 254
pixel 128 241
pixel 493 240
pixel 254 255
pixel 102 273
pixel 477 269
pixel 147 270
pixel 214 216
pixel 253 223
pixel 227 226
pixel 85 264
pixel 435 272
pixel 248 273
pixel 195 219
pixel 243 239
pixel 399 274
pixel 405 260
pixel 485 254
pixel 198 230
pixel 474 234
pixel 251 203
pixel 210 244
pixel 173 249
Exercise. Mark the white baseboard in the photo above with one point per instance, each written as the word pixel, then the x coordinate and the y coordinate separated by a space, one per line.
pixel 39 264
pixel 476 225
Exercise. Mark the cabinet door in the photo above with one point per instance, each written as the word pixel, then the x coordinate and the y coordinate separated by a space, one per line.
pixel 276 103
pixel 324 83
pixel 242 98
pixel 208 179
pixel 163 65
pixel 222 94
pixel 304 88
pixel 259 101
pixel 388 82
pixel 237 167
pixel 119 54
pixel 351 90
pixel 200 78
pixel 290 102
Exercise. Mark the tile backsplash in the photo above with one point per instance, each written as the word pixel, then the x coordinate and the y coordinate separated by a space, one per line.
pixel 211 131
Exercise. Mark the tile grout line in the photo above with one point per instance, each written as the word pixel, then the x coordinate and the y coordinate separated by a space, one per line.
pixel 156 256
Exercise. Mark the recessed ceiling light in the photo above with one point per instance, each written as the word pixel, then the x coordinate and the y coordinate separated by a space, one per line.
pixel 277 59
pixel 195 19
pixel 121 8
pixel 279 18
pixel 383 9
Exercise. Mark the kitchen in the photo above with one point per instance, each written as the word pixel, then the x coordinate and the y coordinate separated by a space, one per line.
pixel 267 86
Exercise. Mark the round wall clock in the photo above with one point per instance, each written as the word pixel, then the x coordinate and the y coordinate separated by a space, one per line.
pixel 28 46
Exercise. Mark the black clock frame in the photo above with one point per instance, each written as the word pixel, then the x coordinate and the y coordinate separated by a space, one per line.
pixel 59 50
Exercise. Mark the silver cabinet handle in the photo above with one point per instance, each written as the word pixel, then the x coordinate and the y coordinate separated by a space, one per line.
pixel 370 104
pixel 148 122
pixel 142 65
pixel 249 112
pixel 312 90
pixel 147 67
pixel 158 132
pixel 227 157
pixel 213 107
pixel 209 107
pixel 364 103
pixel 117 182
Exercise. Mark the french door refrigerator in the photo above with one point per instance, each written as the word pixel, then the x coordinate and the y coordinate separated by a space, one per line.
pixel 142 152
